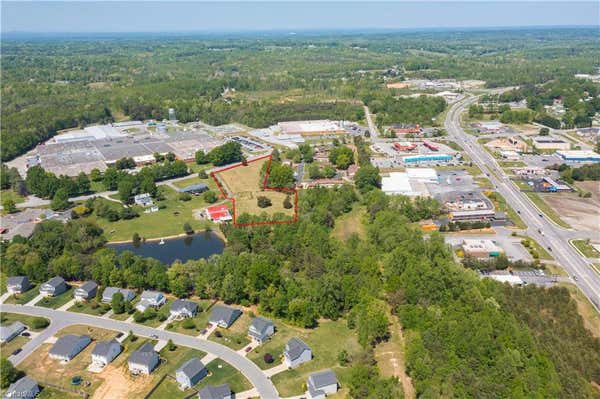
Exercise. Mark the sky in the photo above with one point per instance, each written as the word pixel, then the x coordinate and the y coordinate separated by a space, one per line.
pixel 229 16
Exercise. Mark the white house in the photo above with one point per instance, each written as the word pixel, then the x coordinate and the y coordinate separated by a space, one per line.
pixel 190 373
pixel 68 346
pixel 296 352
pixel 181 309
pixel 261 329
pixel 150 299
pixel 105 351
pixel 86 291
pixel 143 360
pixel 54 286
pixel 17 284
pixel 321 384
pixel 143 199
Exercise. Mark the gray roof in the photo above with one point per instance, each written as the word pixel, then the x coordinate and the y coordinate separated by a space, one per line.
pixel 55 281
pixel 261 324
pixel 145 355
pixel 194 187
pixel 226 313
pixel 152 295
pixel 192 367
pixel 215 392
pixel 322 379
pixel 17 280
pixel 64 345
pixel 9 331
pixel 21 388
pixel 88 286
pixel 295 347
pixel 102 348
pixel 110 291
pixel 183 304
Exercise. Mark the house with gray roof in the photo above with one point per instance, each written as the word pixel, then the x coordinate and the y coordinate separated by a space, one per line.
pixel 86 291
pixel 215 392
pixel 224 316
pixel 150 299
pixel 8 333
pixel 181 308
pixel 143 360
pixel 54 286
pixel 190 373
pixel 108 293
pixel 24 388
pixel 68 346
pixel 261 329
pixel 321 384
pixel 296 352
pixel 17 284
pixel 194 188
pixel 105 352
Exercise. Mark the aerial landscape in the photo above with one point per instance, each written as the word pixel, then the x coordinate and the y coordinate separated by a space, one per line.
pixel 365 200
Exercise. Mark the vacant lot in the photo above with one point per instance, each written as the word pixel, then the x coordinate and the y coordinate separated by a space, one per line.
pixel 580 213
pixel 542 201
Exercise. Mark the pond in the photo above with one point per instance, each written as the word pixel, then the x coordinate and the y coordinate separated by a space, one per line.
pixel 197 246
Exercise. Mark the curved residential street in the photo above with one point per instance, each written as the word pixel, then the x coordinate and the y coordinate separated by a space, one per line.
pixel 555 238
pixel 60 319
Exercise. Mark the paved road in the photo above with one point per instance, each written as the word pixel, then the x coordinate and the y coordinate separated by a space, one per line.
pixel 61 319
pixel 551 236
pixel 372 126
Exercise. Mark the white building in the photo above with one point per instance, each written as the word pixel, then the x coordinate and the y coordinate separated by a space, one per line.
pixel 143 360
pixel 321 384
pixel 150 299
pixel 105 351
pixel 296 352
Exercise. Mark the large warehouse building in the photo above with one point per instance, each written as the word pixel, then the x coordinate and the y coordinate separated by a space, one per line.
pixel 579 156
pixel 311 128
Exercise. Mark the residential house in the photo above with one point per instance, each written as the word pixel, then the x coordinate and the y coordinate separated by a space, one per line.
pixel 8 333
pixel 150 299
pixel 215 392
pixel 261 329
pixel 321 384
pixel 224 316
pixel 143 199
pixel 181 309
pixel 17 284
pixel 24 388
pixel 54 286
pixel 143 360
pixel 68 346
pixel 86 291
pixel 105 351
pixel 296 352
pixel 194 188
pixel 190 373
pixel 108 293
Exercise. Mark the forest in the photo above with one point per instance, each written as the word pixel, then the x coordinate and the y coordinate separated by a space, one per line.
pixel 54 83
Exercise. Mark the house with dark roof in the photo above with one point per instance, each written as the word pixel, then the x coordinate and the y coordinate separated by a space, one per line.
pixel 190 373
pixel 296 352
pixel 86 291
pixel 8 333
pixel 261 329
pixel 181 308
pixel 321 384
pixel 54 286
pixel 224 316
pixel 105 351
pixel 24 388
pixel 68 346
pixel 194 188
pixel 143 360
pixel 215 392
pixel 150 299
pixel 108 293
pixel 17 284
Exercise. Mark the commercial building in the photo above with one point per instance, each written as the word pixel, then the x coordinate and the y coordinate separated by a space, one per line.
pixel 406 129
pixel 424 175
pixel 483 214
pixel 507 278
pixel 579 156
pixel 551 185
pixel 510 155
pixel 311 128
pixel 550 143
pixel 412 182
pixel 68 346
pixel 481 248
pixel 464 201
pixel 427 158
pixel 489 126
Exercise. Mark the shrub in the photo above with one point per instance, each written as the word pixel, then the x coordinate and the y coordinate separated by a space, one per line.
pixel 171 346
pixel 287 203
pixel 218 334
pixel 202 174
pixel 188 229
pixel 39 322
pixel 263 202
pixel 188 324
pixel 210 197
pixel 185 196
pixel 268 358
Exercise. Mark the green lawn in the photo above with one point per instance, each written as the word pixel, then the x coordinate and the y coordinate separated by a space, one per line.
pixel 56 302
pixel 236 336
pixel 586 248
pixel 326 342
pixel 10 194
pixel 501 205
pixel 7 348
pixel 164 309
pixel 546 209
pixel 22 299
pixel 125 315
pixel 9 318
pixel 53 393
pixel 89 308
pixel 200 322
pixel 166 222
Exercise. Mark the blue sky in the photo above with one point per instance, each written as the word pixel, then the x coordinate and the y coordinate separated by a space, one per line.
pixel 138 16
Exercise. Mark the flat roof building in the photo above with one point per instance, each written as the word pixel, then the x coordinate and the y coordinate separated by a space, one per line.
pixel 311 128
pixel 579 156
pixel 550 143
pixel 481 248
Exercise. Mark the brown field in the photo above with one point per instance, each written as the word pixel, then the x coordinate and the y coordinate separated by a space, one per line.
pixel 243 178
pixel 580 213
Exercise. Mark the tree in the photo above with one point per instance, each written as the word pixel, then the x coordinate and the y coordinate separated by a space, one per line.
pixel 201 157
pixel 367 178
pixel 95 174
pixel 125 187
pixel 83 183
pixel 229 152
pixel 118 303
pixel 314 172
pixel 202 174
pixel 281 176
pixel 136 239
pixel 9 205
pixel 342 157
pixel 544 131
pixel 287 202
pixel 185 197
pixel 60 200
pixel 187 228
pixel 39 322
pixel 9 373
pixel 263 202
pixel 210 197
pixel 268 358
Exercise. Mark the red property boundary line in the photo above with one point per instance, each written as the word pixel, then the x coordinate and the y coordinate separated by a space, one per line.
pixel 264 187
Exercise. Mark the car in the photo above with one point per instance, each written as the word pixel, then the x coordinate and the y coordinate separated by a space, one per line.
pixel 575 278
pixel 550 249
pixel 541 215
pixel 518 211
pixel 248 349
pixel 154 336
pixel 25 334
pixel 16 351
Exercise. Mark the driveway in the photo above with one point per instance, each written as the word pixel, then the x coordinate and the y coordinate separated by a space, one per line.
pixel 61 319
pixel 34 300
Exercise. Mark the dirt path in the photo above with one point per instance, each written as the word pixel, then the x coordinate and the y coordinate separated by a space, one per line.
pixel 118 385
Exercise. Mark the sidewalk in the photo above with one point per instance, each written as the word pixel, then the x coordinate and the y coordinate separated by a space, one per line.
pixel 34 300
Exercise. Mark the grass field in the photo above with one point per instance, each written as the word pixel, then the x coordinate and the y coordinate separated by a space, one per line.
pixel 236 336
pixel 9 318
pixel 52 393
pixel 21 299
pixel 166 222
pixel 350 223
pixel 7 348
pixel 586 248
pixel 10 194
pixel 326 342
pixel 57 301
pixel 87 308
pixel 546 209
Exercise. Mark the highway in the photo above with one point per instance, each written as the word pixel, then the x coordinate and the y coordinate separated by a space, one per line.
pixel 546 233
pixel 61 319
